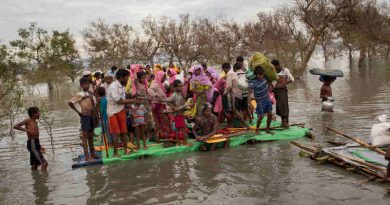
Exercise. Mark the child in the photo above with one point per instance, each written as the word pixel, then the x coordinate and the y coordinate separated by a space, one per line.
pixel 87 103
pixel 138 111
pixel 263 104
pixel 103 113
pixel 176 101
pixel 33 145
pixel 326 93
pixel 129 122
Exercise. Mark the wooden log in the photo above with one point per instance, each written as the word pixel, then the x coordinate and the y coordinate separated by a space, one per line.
pixel 312 150
pixel 364 163
pixel 361 142
pixel 336 143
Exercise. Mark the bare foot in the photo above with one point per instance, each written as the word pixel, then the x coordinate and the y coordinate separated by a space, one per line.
pixel 88 159
pixel 145 147
pixel 257 131
pixel 95 156
pixel 117 155
pixel 269 132
pixel 44 166
pixel 126 152
pixel 188 144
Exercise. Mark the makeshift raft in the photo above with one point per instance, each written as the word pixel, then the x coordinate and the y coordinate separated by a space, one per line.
pixel 155 150
pixel 359 157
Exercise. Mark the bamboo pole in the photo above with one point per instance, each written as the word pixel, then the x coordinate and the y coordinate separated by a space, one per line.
pixel 312 150
pixel 271 128
pixel 361 142
pixel 363 163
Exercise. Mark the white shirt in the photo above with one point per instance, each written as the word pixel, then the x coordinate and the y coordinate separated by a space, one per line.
pixel 115 93
pixel 286 72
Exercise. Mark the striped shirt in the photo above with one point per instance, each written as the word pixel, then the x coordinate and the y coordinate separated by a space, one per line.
pixel 260 88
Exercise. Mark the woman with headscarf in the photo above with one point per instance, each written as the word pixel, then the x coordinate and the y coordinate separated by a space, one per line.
pixel 158 92
pixel 219 89
pixel 201 85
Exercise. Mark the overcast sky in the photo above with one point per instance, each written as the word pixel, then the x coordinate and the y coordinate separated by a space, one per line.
pixel 75 14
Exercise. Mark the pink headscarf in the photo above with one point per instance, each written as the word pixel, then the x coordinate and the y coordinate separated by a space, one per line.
pixel 157 79
pixel 173 78
pixel 203 80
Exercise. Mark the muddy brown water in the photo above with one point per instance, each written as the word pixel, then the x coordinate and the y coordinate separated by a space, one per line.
pixel 268 173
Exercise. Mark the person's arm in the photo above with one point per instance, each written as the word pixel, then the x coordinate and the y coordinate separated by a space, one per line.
pixel 290 77
pixel 194 128
pixel 19 125
pixel 229 83
pixel 323 93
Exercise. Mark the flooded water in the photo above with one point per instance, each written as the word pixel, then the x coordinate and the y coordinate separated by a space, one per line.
pixel 268 173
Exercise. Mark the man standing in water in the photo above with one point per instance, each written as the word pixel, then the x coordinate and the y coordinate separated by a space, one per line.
pixel 326 93
pixel 116 101
pixel 281 92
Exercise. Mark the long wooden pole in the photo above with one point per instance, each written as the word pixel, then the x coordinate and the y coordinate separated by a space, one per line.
pixel 363 163
pixel 312 150
pixel 361 142
pixel 104 135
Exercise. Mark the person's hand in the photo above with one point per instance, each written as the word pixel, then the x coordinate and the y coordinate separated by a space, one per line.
pixel 43 150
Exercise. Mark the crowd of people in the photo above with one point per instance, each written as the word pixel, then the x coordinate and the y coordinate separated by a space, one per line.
pixel 161 103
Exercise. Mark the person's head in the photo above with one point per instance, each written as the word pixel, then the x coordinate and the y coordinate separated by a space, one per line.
pixel 141 76
pixel 329 79
pixel 171 72
pixel 259 72
pixel 276 64
pixel 148 66
pixel 108 79
pixel 97 75
pixel 160 76
pixel 236 67
pixel 101 91
pixel 240 59
pixel 204 66
pixel 206 111
pixel 85 83
pixel 122 76
pixel 177 85
pixel 33 112
pixel 87 74
pixel 226 67
pixel 113 68
pixel 198 70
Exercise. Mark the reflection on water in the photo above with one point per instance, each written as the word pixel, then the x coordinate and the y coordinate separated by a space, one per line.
pixel 249 174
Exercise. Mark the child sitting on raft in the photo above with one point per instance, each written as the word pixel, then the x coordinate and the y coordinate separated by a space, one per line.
pixel 33 145
pixel 206 125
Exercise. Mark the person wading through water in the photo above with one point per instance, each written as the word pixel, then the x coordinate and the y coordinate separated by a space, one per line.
pixel 281 92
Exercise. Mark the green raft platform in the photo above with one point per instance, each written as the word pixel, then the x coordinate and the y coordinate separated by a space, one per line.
pixel 156 150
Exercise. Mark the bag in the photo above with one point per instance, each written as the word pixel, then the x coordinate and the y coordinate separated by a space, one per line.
pixel 242 82
pixel 258 59
pixel 250 75
pixel 380 133
pixel 271 96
